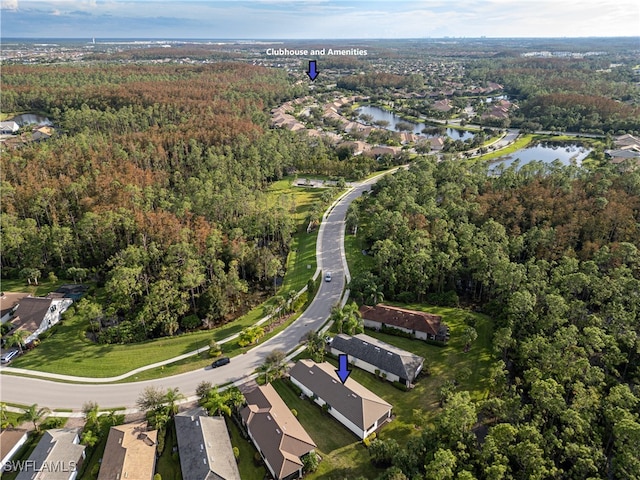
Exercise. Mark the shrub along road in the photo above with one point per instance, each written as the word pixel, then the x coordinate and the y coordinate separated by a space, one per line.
pixel 330 256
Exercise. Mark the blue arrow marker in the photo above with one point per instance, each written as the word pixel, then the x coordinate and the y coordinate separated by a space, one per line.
pixel 312 72
pixel 343 372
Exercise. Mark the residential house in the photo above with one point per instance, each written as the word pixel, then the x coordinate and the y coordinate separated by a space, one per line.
pixel 376 356
pixel 385 150
pixel 205 447
pixel 276 433
pixel 9 304
pixel 357 408
pixel 37 314
pixel 130 453
pixel 424 326
pixel 8 127
pixel 442 105
pixel 10 442
pixel 58 456
pixel 437 143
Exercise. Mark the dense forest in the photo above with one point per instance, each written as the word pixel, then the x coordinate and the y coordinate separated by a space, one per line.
pixel 551 252
pixel 154 186
pixel 578 95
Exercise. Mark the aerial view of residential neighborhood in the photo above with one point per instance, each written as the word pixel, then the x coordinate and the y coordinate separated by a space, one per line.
pixel 319 239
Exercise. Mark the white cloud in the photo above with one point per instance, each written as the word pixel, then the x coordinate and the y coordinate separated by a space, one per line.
pixel 9 5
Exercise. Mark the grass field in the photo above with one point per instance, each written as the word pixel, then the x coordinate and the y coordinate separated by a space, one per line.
pixel 358 263
pixel 20 285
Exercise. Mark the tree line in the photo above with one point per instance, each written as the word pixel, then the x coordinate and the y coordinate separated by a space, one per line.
pixel 155 186
pixel 551 253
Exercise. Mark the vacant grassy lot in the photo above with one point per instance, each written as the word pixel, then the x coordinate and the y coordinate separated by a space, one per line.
pixel 358 263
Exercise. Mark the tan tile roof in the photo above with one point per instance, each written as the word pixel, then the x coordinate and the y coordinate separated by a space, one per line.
pixel 130 453
pixel 9 439
pixel 277 432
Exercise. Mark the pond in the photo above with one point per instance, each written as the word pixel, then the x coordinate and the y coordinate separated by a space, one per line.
pixel 379 114
pixel 30 118
pixel 547 152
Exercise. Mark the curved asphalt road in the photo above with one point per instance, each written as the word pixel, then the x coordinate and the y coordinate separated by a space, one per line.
pixel 330 254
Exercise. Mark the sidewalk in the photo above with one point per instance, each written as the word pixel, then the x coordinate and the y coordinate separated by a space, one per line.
pixel 73 378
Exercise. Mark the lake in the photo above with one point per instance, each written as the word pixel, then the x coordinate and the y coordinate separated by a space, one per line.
pixel 30 118
pixel 546 152
pixel 379 114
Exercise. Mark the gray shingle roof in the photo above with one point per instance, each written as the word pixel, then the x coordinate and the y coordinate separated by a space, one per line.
pixel 380 354
pixel 57 449
pixel 355 402
pixel 205 447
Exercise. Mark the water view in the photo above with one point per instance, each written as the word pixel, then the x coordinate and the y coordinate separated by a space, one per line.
pixel 547 152
pixel 379 114
pixel 31 118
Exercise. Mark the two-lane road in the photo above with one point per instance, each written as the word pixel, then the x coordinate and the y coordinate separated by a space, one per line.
pixel 52 394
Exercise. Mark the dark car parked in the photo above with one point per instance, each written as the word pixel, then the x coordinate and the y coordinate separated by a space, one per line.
pixel 221 361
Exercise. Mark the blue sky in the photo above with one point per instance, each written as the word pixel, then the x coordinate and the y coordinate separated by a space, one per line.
pixel 266 19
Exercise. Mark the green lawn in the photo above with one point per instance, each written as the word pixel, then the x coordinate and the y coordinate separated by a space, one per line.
pixel 358 263
pixel 301 262
pixel 521 142
pixel 246 466
pixel 343 455
pixel 20 285
pixel 168 464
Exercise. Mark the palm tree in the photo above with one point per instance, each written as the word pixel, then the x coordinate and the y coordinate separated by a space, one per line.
pixel 215 403
pixel 4 420
pixel 291 297
pixel 235 397
pixel 171 398
pixel 279 303
pixel 337 316
pixel 90 410
pixel 17 338
pixel 35 415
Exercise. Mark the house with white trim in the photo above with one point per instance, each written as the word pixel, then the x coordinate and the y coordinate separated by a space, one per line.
pixel 37 314
pixel 421 325
pixel 356 407
pixel 378 357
